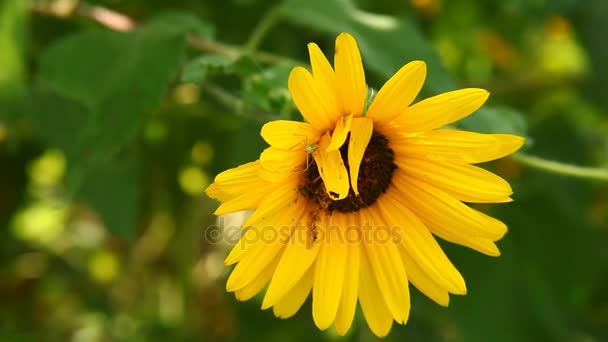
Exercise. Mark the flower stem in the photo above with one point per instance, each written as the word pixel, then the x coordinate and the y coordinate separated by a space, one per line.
pixel 562 168
pixel 270 19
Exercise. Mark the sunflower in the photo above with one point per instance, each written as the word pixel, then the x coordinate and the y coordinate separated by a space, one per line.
pixel 347 204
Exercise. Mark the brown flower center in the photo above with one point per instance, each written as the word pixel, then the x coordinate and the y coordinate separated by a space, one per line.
pixel 375 175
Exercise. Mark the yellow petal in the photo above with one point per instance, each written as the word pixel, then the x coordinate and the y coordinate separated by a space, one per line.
pixel 388 269
pixel 421 245
pixel 283 197
pixel 289 135
pixel 348 302
pixel 448 228
pixel 360 135
pixel 253 236
pixel 422 281
pixel 248 240
pixel 277 164
pixel 439 210
pixel 246 201
pixel 482 245
pixel 350 77
pixel 329 274
pixel 460 146
pixel 252 264
pixel 234 182
pixel 338 137
pixel 449 218
pixel 258 283
pixel 398 93
pixel 441 110
pixel 375 310
pixel 267 244
pixel 325 79
pixel 299 255
pixel 293 300
pixel 464 182
pixel 308 98
pixel 216 192
pixel 332 170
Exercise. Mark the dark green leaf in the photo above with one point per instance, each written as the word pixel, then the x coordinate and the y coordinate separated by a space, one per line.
pixel 114 191
pixel 114 76
pixel 58 120
pixel 85 67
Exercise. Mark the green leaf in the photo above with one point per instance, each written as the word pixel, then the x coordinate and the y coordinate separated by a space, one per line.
pixel 386 42
pixel 182 22
pixel 198 69
pixel 114 76
pixel 70 65
pixel 79 67
pixel 93 92
pixel 495 120
pixel 56 120
pixel 114 191
pixel 245 66
pixel 267 90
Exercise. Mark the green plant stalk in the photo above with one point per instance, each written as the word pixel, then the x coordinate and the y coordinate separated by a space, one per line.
pixel 270 19
pixel 562 168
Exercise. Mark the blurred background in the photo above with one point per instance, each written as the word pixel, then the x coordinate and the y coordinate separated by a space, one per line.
pixel 115 115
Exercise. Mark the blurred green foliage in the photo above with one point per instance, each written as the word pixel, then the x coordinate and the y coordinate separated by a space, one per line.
pixel 115 115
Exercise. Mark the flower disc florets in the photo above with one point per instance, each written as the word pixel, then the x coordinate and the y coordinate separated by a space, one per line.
pixel 375 175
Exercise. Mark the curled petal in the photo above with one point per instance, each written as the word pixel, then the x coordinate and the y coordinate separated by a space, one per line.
pixel 332 170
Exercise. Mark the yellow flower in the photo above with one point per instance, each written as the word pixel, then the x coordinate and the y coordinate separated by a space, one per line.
pixel 347 203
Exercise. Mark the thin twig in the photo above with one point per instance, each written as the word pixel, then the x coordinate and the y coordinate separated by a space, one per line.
pixel 111 19
pixel 101 15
